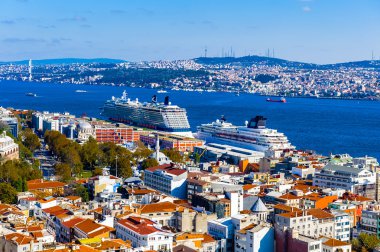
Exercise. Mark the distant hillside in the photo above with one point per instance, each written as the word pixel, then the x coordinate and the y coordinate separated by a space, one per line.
pixel 356 64
pixel 249 60
pixel 259 60
pixel 65 61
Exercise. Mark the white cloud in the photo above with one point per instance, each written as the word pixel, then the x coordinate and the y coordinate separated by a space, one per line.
pixel 306 9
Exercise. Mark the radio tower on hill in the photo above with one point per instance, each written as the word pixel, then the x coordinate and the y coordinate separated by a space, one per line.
pixel 30 70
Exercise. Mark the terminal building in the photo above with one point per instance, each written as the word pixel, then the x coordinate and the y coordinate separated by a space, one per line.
pixel 234 155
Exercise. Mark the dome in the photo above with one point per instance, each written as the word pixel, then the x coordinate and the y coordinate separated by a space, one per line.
pixel 84 125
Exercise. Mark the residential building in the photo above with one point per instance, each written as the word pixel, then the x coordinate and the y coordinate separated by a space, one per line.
pixel 222 230
pixel 47 188
pixel 370 222
pixel 333 245
pixel 255 238
pixel 355 180
pixel 201 242
pixel 311 223
pixel 290 240
pixel 144 234
pixel 167 179
pixel 342 229
pixel 90 229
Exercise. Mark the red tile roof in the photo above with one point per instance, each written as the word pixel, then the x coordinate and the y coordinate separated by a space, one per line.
pixel 42 184
pixel 139 225
pixel 18 238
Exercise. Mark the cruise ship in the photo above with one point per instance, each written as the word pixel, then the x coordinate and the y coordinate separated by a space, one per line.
pixel 152 115
pixel 253 136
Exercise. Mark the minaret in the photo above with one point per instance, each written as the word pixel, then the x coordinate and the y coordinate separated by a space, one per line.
pixel 30 70
pixel 157 148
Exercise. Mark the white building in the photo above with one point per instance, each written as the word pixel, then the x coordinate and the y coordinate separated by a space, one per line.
pixel 355 180
pixel 8 148
pixel 366 162
pixel 255 238
pixel 144 234
pixel 311 223
pixel 223 231
pixel 342 229
pixel 167 179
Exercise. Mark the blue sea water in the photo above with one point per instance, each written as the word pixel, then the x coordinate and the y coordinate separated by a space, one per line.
pixel 324 125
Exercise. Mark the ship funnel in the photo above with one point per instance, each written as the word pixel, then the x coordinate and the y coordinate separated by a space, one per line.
pixel 154 98
pixel 259 122
pixel 166 102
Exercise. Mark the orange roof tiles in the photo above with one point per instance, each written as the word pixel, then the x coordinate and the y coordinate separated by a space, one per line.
pixel 71 223
pixel 20 239
pixel 335 243
pixel 91 228
pixel 319 213
pixel 37 184
pixel 139 225
pixel 160 207
pixel 288 196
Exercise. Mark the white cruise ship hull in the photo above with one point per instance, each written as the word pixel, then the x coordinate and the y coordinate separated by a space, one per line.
pixel 208 138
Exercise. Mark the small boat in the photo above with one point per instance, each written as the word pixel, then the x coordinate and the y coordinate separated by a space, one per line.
pixel 161 91
pixel 80 91
pixel 31 94
pixel 282 99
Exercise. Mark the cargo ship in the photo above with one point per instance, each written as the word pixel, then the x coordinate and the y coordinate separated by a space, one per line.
pixel 253 136
pixel 153 115
pixel 282 99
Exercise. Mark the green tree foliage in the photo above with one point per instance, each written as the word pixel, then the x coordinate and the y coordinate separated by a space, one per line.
pixel 365 242
pixel 3 127
pixel 109 152
pixel 149 162
pixel 8 194
pixel 97 171
pixel 30 140
pixel 124 169
pixel 63 170
pixel 90 154
pixel 174 155
pixel 17 173
pixel 82 192
pixel 66 150
pixel 141 152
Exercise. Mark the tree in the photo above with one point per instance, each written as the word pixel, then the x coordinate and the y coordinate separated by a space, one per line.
pixel 142 152
pixel 90 154
pixel 124 169
pixel 8 194
pixel 63 170
pixel 174 155
pixel 97 171
pixel 365 241
pixel 82 192
pixel 149 162
pixel 31 140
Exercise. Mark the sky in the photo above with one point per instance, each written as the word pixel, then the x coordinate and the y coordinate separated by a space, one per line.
pixel 317 31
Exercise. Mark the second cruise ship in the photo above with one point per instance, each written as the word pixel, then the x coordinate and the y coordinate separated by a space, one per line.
pixel 254 135
pixel 152 115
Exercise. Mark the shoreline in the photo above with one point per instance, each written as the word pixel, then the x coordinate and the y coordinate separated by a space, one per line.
pixel 199 91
